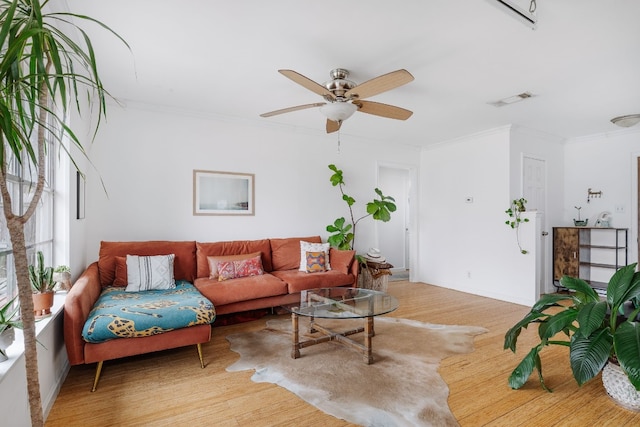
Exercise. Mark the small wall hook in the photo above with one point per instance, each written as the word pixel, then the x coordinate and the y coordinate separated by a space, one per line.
pixel 593 194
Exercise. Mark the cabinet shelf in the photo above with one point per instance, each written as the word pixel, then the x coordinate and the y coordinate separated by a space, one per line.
pixel 603 247
pixel 583 251
pixel 600 265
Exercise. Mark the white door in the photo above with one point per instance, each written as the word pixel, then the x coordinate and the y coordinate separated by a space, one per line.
pixel 534 190
pixel 393 236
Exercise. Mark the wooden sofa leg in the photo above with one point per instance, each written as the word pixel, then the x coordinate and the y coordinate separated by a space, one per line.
pixel 97 377
pixel 200 355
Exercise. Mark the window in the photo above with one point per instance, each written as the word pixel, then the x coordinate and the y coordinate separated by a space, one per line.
pixel 21 180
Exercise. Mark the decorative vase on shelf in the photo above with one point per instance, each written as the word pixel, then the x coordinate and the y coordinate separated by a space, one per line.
pixel 63 280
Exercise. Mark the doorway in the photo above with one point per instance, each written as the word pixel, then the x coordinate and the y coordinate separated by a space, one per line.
pixel 394 236
pixel 534 190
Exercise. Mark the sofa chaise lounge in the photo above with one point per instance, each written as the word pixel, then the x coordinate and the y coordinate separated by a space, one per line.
pixel 281 283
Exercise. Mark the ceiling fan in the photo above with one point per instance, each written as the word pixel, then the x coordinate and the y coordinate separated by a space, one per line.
pixel 343 97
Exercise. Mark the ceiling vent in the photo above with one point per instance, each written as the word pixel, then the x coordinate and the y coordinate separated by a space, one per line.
pixel 511 100
pixel 516 9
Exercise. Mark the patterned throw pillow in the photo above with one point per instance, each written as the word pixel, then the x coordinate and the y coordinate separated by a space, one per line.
pixel 145 273
pixel 214 260
pixel 315 262
pixel 234 269
pixel 313 247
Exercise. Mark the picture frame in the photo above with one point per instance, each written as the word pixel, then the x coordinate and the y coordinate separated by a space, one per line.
pixel 80 195
pixel 223 193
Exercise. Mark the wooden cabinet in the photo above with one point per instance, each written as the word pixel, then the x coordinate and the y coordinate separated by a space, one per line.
pixel 590 253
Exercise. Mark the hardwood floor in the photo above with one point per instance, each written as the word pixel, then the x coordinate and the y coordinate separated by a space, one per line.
pixel 170 388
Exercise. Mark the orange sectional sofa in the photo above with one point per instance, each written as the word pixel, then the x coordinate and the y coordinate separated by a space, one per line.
pixel 280 284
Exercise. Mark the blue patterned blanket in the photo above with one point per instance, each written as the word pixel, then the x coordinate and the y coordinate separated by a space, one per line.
pixel 120 314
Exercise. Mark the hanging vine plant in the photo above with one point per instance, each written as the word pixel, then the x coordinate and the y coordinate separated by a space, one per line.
pixel 515 210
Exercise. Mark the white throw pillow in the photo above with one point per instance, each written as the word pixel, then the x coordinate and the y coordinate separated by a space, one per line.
pixel 313 247
pixel 145 273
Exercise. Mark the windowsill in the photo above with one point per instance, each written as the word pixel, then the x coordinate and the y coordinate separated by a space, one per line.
pixel 16 350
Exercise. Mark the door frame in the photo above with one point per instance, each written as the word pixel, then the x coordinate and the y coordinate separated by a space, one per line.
pixel 545 261
pixel 634 223
pixel 413 213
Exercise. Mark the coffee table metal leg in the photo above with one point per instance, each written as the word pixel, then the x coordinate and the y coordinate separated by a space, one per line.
pixel 295 350
pixel 368 335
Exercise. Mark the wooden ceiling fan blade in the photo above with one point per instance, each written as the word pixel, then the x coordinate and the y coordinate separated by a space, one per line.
pixel 383 110
pixel 333 126
pixel 380 84
pixel 307 83
pixel 290 109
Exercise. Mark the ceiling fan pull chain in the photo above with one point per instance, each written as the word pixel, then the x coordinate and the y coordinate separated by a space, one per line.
pixel 533 6
pixel 338 141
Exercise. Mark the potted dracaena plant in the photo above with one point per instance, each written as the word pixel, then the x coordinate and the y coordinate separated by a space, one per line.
pixel 43 70
pixel 42 283
pixel 600 333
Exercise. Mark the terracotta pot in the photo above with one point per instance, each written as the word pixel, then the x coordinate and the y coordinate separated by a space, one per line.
pixel 619 388
pixel 42 303
pixel 6 339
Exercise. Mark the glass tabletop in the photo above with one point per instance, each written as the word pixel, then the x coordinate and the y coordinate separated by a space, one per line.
pixel 340 303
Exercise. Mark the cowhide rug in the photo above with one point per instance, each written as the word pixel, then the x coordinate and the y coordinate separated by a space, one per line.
pixel 401 388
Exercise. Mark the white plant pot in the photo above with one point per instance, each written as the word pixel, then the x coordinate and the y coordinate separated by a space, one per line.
pixel 6 339
pixel 619 388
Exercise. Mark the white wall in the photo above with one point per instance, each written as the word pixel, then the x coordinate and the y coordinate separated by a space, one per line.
pixel 466 245
pixel 607 163
pixel 146 160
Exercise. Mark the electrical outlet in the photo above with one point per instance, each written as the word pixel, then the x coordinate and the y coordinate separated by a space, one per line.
pixel 619 208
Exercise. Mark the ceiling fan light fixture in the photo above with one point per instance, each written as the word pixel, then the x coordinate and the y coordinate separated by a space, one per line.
pixel 626 121
pixel 338 111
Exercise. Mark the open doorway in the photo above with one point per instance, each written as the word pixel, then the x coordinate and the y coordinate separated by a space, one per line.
pixel 394 236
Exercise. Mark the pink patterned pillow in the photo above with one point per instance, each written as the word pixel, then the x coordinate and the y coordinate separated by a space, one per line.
pixel 240 268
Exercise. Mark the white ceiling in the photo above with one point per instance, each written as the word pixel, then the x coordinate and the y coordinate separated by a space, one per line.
pixel 221 58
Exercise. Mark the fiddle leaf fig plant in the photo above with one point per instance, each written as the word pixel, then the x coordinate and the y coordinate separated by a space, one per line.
pixel 344 233
pixel 594 330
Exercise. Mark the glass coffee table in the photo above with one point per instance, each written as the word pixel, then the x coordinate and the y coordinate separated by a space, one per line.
pixel 339 303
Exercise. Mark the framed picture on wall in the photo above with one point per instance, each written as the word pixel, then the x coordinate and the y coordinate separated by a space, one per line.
pixel 223 193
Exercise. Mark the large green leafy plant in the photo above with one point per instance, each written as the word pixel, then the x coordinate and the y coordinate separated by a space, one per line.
pixel 596 330
pixel 344 233
pixel 42 71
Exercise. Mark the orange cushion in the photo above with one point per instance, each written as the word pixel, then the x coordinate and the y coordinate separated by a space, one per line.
pixel 243 289
pixel 299 280
pixel 285 253
pixel 121 272
pixel 341 260
pixel 184 264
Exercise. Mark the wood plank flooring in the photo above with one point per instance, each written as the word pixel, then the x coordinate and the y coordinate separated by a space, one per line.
pixel 170 388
